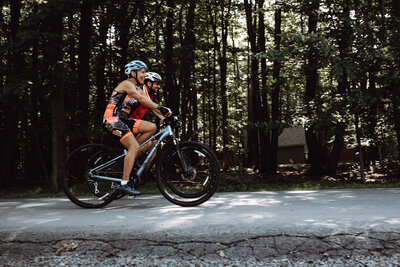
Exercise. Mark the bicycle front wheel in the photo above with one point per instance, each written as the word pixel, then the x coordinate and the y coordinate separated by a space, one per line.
pixel 198 184
pixel 80 183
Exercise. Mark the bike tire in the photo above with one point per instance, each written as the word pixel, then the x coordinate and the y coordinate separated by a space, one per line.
pixel 196 189
pixel 89 192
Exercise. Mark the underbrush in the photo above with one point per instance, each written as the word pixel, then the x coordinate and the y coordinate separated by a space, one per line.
pixel 288 178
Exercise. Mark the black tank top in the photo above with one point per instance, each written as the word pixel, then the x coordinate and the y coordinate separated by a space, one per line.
pixel 114 104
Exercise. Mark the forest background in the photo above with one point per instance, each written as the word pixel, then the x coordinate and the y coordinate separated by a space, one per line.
pixel 235 72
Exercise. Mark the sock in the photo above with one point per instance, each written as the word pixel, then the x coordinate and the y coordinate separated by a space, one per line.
pixel 123 182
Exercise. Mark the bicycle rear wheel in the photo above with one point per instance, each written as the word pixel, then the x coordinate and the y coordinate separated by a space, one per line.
pixel 201 181
pixel 83 189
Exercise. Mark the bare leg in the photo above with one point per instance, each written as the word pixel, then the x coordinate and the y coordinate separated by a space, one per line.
pixel 132 146
pixel 146 130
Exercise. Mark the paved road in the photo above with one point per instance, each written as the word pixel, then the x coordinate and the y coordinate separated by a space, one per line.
pixel 251 227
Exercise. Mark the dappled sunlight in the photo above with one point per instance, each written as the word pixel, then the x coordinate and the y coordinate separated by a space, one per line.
pixel 228 201
pixel 319 223
pixel 99 211
pixel 301 192
pixel 393 221
pixel 312 209
pixel 9 203
pixel 257 218
pixel 251 202
pixel 179 221
pixel 134 206
pixel 158 196
pixel 345 196
pixel 31 205
pixel 265 193
pixel 24 220
pixel 177 209
pixel 378 218
pixel 326 224
pixel 301 197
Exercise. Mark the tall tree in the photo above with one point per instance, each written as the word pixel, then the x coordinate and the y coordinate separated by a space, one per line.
pixel 56 89
pixel 265 137
pixel 85 31
pixel 212 15
pixel 189 93
pixel 254 91
pixel 105 19
pixel 316 154
pixel 394 83
pixel 171 93
pixel 15 64
pixel 344 42
pixel 275 116
pixel 225 17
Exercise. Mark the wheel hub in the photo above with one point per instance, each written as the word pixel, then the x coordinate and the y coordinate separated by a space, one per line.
pixel 190 174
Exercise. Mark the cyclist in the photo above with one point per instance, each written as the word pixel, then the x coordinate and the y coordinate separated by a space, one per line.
pixel 131 109
pixel 124 127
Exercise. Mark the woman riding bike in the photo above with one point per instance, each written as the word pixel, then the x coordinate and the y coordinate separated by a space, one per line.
pixel 125 127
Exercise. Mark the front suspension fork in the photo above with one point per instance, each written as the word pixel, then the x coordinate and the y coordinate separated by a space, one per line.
pixel 180 156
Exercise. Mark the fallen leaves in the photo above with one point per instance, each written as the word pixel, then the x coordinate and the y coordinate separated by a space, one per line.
pixel 111 254
pixel 66 248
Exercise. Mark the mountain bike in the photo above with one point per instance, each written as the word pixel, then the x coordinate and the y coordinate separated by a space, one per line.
pixel 187 173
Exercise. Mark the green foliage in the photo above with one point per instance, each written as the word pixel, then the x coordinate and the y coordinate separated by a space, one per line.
pixel 355 41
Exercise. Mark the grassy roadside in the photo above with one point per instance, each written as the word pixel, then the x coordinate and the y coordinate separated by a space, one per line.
pixel 236 181
pixel 244 182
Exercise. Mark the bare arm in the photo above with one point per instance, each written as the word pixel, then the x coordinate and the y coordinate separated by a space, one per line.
pixel 158 114
pixel 139 96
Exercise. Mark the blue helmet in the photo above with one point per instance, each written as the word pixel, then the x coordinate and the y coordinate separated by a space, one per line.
pixel 134 65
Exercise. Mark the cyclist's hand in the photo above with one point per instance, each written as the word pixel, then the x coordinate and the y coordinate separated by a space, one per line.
pixel 165 111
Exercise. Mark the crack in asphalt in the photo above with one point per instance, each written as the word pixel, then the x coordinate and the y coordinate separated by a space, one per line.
pixel 195 248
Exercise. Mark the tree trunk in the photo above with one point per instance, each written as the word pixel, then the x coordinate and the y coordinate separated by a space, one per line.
pixel 209 91
pixel 223 68
pixel 189 94
pixel 57 96
pixel 124 20
pixel 85 29
pixel 140 7
pixel 265 136
pixel 15 64
pixel 101 63
pixel 395 83
pixel 214 100
pixel 214 89
pixel 343 87
pixel 360 150
pixel 316 154
pixel 34 112
pixel 275 94
pixel 171 92
pixel 71 43
pixel 395 87
pixel 254 93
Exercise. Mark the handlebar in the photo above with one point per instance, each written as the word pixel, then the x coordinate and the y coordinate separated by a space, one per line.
pixel 172 120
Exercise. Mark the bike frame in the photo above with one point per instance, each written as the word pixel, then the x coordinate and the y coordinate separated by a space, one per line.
pixel 163 134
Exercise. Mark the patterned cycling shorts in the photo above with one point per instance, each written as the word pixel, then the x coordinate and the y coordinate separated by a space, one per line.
pixel 122 128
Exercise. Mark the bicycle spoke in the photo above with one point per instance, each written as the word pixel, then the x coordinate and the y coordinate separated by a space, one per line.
pixel 194 186
pixel 90 192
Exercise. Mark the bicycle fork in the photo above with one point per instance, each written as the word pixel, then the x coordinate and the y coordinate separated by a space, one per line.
pixel 180 156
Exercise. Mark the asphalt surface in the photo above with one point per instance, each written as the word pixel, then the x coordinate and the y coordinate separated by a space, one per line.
pixel 327 227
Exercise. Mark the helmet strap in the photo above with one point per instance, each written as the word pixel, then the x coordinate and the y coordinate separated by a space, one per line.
pixel 137 81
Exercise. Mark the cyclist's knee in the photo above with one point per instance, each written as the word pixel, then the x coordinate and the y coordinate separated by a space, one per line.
pixel 153 128
pixel 133 148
